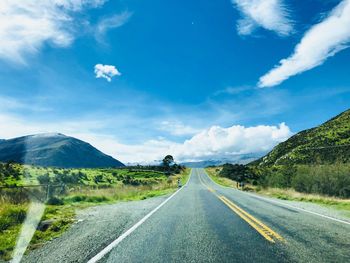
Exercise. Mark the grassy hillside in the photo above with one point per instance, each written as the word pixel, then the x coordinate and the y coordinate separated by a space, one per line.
pixel 328 143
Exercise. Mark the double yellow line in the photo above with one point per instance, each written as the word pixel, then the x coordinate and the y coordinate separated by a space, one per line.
pixel 260 227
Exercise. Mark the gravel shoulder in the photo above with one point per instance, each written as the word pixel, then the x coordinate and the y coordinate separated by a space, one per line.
pixel 95 227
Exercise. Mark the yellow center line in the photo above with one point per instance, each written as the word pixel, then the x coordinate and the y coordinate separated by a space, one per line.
pixel 260 227
pixel 250 222
pixel 267 230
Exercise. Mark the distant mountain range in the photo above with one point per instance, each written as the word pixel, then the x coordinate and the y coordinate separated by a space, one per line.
pixel 56 150
pixel 239 158
pixel 326 144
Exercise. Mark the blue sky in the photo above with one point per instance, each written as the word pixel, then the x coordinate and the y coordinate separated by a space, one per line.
pixel 197 79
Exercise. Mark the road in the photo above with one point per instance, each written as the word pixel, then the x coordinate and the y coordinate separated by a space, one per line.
pixel 205 222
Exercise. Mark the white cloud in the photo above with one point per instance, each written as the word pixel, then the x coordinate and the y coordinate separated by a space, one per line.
pixel 216 142
pixel 109 23
pixel 106 71
pixel 268 14
pixel 25 26
pixel 213 143
pixel 319 43
pixel 177 128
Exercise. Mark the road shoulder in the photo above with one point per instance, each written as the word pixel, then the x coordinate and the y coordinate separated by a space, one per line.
pixel 95 228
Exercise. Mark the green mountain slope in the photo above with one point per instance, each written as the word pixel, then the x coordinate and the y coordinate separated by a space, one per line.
pixel 325 144
pixel 54 149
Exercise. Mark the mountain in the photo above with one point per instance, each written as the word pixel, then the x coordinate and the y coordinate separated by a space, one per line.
pixel 56 150
pixel 325 144
pixel 239 158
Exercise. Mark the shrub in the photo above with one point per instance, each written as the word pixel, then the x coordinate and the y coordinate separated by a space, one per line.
pixel 345 192
pixel 44 179
pixel 331 180
pixel 54 201
pixel 86 198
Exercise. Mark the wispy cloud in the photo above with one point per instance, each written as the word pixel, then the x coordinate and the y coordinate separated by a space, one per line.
pixel 25 26
pixel 322 41
pixel 177 128
pixel 10 104
pixel 106 71
pixel 271 15
pixel 234 90
pixel 109 23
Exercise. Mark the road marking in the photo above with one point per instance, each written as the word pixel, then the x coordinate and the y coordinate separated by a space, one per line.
pixel 260 227
pixel 112 245
pixel 284 204
pixel 263 229
pixel 300 209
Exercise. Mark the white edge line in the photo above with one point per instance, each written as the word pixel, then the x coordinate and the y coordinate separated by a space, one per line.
pixel 112 245
pixel 283 204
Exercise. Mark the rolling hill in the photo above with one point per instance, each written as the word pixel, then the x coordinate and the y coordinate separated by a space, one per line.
pixel 56 150
pixel 239 158
pixel 326 144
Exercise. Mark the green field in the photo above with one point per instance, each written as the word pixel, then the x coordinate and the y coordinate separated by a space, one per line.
pixel 32 175
pixel 83 188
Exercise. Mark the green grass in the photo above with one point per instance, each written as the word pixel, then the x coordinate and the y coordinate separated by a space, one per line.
pixel 292 195
pixel 28 175
pixel 220 180
pixel 62 216
pixel 11 218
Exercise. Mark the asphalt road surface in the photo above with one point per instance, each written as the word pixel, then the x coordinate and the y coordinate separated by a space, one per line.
pixel 205 222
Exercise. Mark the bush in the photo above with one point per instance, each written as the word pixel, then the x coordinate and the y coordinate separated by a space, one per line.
pixel 331 180
pixel 44 179
pixel 237 172
pixel 345 192
pixel 54 201
pixel 86 198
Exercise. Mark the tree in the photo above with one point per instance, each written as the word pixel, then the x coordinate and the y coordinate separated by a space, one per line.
pixel 237 172
pixel 167 161
pixel 44 179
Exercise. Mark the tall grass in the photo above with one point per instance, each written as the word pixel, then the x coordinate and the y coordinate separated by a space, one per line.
pixel 120 192
pixel 12 215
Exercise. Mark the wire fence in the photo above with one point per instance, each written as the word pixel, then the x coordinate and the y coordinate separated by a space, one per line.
pixel 41 193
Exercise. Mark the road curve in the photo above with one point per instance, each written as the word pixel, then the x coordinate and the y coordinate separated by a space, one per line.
pixel 205 222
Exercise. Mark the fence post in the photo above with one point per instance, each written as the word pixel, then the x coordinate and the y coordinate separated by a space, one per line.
pixel 47 191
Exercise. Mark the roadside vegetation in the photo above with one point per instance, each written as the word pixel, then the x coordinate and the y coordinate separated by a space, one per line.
pixel 322 184
pixel 214 173
pixel 329 180
pixel 66 190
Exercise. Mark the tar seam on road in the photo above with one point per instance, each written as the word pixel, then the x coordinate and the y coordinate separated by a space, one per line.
pixel 287 205
pixel 112 245
pixel 260 227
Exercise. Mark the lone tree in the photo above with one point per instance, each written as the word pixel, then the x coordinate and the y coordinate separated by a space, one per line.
pixel 167 161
